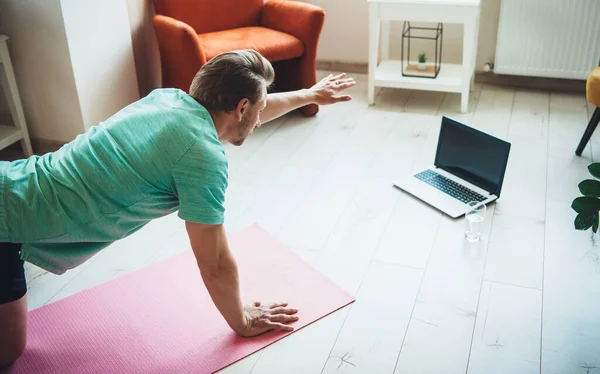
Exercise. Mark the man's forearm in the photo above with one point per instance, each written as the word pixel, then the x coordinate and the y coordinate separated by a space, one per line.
pixel 220 275
pixel 279 104
pixel 223 287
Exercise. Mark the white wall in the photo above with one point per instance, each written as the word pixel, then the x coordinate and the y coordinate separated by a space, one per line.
pixel 345 36
pixel 99 39
pixel 40 55
pixel 73 62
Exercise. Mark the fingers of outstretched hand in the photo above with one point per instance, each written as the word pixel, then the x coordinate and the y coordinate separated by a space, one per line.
pixel 337 82
pixel 347 80
pixel 342 98
pixel 346 84
pixel 339 76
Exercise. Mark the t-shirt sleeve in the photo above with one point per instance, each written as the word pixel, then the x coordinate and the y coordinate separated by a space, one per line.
pixel 200 178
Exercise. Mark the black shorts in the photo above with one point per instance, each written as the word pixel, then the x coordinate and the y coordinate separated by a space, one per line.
pixel 12 274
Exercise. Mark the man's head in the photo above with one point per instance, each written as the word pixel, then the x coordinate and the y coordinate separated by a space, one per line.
pixel 233 87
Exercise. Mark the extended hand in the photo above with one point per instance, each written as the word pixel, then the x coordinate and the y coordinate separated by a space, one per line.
pixel 327 89
pixel 260 319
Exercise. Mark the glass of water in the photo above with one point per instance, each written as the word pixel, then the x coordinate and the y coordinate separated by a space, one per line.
pixel 474 221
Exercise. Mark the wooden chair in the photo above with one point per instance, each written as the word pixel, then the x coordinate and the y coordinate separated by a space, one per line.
pixel 593 96
pixel 191 32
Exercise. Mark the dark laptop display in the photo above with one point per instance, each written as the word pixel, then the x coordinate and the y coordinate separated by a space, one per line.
pixel 472 155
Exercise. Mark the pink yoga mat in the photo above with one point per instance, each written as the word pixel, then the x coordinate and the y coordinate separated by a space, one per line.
pixel 161 319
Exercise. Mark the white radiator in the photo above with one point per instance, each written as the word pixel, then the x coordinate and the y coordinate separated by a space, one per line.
pixel 548 38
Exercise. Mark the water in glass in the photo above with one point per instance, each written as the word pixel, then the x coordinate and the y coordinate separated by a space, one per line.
pixel 474 221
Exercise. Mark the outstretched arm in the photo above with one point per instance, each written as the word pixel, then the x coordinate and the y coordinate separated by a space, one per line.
pixel 220 275
pixel 325 92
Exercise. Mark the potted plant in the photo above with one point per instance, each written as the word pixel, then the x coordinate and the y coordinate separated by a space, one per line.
pixel 588 205
pixel 422 61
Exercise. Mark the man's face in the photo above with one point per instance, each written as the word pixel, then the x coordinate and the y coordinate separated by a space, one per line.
pixel 250 120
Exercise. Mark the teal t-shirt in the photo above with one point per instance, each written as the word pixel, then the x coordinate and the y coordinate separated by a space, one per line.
pixel 158 155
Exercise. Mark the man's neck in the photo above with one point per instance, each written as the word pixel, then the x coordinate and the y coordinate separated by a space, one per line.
pixel 221 122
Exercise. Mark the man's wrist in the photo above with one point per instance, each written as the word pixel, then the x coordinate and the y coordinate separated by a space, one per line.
pixel 239 326
pixel 309 95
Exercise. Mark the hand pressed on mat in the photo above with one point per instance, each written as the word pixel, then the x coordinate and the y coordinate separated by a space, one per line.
pixel 260 318
pixel 219 272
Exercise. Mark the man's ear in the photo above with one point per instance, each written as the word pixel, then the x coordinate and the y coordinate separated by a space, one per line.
pixel 242 107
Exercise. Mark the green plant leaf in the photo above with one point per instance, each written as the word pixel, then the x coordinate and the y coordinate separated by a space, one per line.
pixel 584 221
pixel 590 187
pixel 595 169
pixel 595 225
pixel 586 205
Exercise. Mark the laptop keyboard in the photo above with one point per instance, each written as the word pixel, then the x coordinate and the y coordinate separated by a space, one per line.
pixel 448 186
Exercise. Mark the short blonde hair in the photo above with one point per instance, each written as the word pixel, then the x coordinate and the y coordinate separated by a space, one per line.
pixel 230 77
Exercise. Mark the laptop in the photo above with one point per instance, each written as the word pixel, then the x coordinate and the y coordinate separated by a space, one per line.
pixel 469 166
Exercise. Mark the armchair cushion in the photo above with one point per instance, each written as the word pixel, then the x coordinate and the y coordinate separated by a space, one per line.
pixel 274 45
pixel 303 20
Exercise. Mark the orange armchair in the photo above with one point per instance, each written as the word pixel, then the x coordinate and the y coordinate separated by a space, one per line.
pixel 191 32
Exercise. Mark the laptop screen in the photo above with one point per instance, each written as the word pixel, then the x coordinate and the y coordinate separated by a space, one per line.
pixel 472 155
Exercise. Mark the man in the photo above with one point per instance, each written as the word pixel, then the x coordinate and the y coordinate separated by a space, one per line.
pixel 161 154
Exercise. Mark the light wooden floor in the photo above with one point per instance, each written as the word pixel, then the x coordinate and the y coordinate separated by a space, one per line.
pixel 524 300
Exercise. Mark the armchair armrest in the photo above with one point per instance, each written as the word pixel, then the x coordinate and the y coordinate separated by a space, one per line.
pixel 181 53
pixel 302 20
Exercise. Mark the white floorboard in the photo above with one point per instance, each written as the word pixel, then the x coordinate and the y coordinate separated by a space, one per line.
pixel 372 334
pixel 571 329
pixel 444 314
pixel 507 332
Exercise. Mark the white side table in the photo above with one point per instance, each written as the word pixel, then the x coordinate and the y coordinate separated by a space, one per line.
pixel 18 131
pixel 452 77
